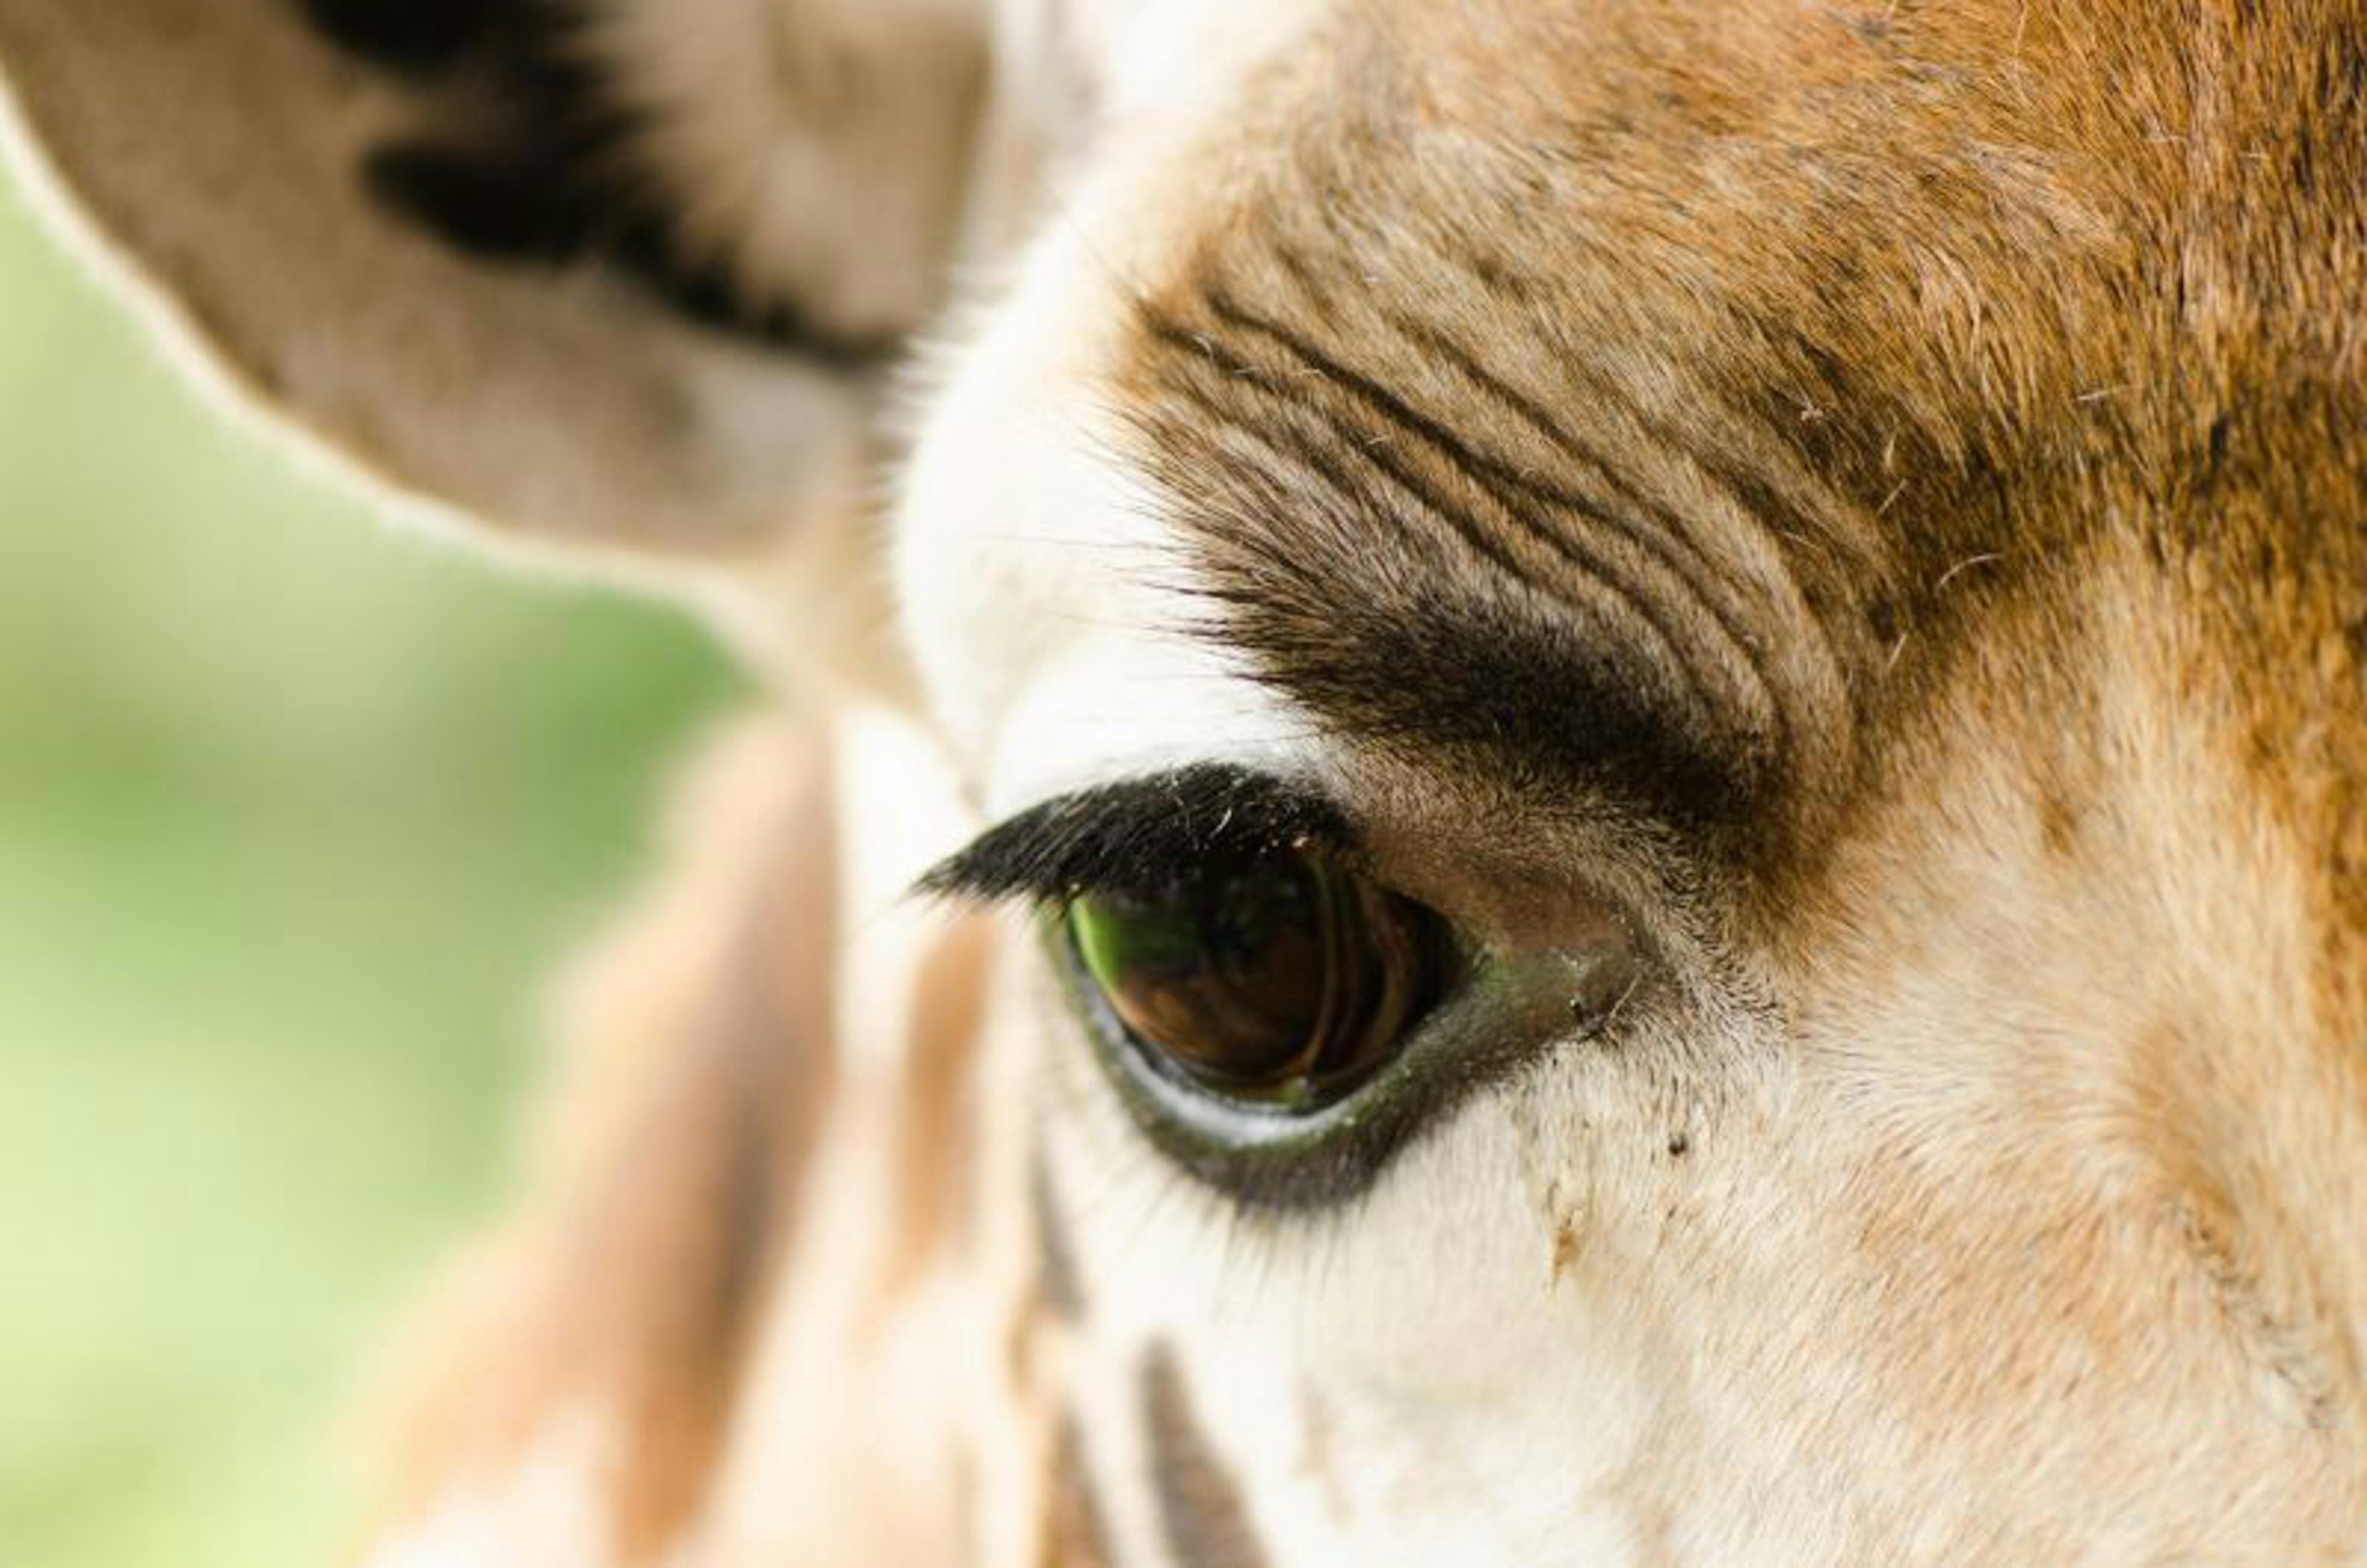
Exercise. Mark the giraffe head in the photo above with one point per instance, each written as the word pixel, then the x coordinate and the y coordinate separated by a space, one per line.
pixel 1654 716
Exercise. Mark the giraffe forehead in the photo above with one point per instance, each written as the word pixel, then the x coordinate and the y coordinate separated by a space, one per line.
pixel 1048 599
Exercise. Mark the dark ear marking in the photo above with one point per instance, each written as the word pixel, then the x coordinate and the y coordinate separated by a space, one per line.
pixel 542 177
pixel 503 210
pixel 411 36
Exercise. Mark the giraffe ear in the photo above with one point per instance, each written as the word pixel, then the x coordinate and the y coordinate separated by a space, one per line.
pixel 607 282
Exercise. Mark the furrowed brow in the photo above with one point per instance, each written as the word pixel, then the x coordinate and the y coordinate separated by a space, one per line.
pixel 1138 833
pixel 1423 596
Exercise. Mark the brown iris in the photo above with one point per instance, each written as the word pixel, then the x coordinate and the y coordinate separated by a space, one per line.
pixel 1281 977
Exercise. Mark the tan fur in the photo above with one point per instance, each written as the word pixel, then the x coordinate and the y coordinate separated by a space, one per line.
pixel 678 1139
pixel 2039 354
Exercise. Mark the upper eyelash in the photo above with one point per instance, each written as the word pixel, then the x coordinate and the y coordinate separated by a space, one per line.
pixel 1136 834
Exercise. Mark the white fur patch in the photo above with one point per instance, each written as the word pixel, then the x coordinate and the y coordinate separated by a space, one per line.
pixel 1044 600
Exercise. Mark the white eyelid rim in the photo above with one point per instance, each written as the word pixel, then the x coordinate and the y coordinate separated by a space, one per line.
pixel 1093 721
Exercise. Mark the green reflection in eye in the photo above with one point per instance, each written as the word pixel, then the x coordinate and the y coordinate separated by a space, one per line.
pixel 1273 977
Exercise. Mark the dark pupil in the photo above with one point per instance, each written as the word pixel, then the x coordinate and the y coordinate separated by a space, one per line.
pixel 1252 976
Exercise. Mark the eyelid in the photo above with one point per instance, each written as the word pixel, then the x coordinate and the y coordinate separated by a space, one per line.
pixel 1138 833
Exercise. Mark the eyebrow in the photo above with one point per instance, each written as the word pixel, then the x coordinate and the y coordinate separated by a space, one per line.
pixel 1138 834
pixel 1414 592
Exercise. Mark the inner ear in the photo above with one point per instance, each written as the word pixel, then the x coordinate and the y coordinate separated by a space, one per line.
pixel 606 276
pixel 788 172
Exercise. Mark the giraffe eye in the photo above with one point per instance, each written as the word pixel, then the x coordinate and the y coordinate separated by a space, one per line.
pixel 1280 980
pixel 1272 1020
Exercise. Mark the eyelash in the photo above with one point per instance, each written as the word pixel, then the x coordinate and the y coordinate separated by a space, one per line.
pixel 1137 835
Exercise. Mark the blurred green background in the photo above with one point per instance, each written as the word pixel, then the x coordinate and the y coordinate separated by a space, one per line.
pixel 295 817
